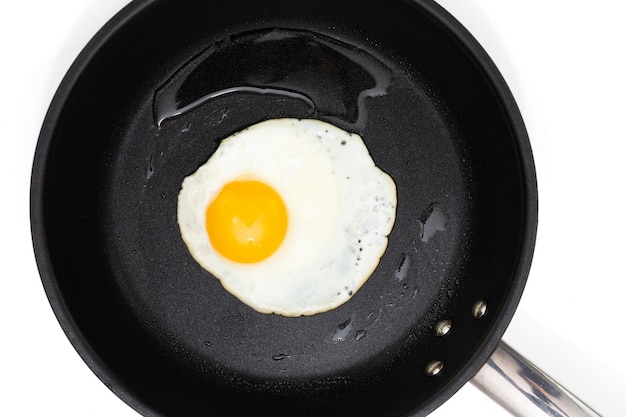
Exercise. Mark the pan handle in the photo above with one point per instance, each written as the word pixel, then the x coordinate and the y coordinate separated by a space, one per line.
pixel 524 390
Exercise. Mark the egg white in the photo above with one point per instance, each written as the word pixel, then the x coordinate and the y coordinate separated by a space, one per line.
pixel 340 207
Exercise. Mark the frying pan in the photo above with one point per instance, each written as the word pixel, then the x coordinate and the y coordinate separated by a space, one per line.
pixel 148 100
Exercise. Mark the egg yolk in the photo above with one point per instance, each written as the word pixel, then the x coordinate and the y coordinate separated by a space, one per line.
pixel 247 221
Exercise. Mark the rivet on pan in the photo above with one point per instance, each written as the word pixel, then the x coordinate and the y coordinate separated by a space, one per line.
pixel 443 327
pixel 434 367
pixel 480 309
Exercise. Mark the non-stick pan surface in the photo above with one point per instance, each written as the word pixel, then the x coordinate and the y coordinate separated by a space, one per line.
pixel 148 101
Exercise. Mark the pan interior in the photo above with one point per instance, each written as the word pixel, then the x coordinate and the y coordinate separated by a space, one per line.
pixel 143 107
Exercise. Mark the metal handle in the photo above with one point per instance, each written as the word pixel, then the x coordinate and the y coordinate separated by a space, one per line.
pixel 524 390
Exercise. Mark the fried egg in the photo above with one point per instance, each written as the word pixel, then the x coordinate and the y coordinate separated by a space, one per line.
pixel 292 216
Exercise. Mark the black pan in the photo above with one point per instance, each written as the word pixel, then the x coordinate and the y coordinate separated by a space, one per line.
pixel 147 102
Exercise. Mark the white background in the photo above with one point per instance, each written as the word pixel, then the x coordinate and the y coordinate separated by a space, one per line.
pixel 565 62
